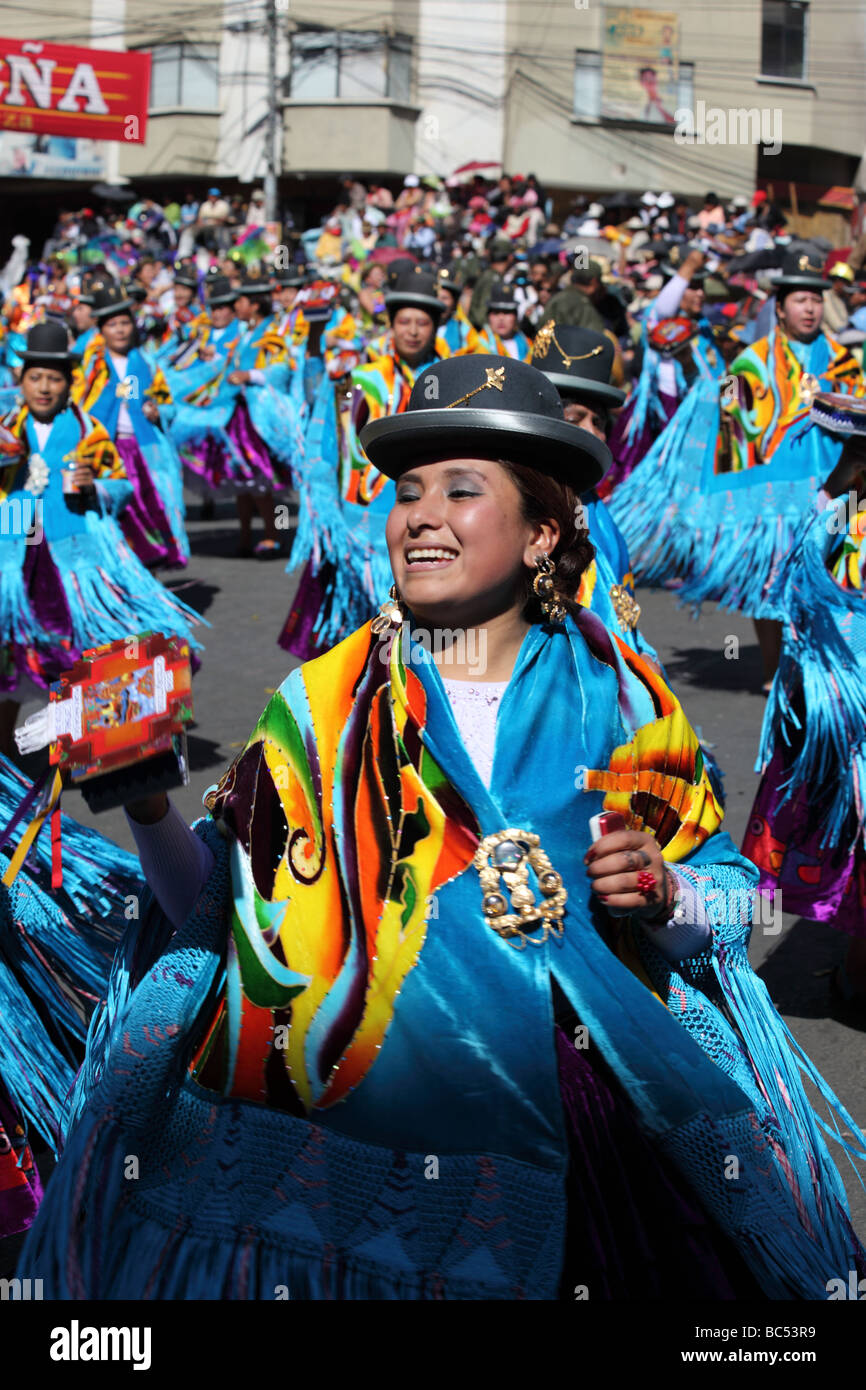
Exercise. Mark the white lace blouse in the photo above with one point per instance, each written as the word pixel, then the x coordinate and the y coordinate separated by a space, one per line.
pixel 475 707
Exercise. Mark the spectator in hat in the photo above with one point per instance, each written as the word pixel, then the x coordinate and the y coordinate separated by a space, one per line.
pixel 214 211
pixel 575 304
pixel 410 195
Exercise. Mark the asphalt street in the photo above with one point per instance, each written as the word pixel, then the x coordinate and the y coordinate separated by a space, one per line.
pixel 718 681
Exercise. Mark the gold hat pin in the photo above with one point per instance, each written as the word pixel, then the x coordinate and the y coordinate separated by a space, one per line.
pixel 495 378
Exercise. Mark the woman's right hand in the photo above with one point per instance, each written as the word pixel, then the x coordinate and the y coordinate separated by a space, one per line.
pixel 82 477
pixel 148 810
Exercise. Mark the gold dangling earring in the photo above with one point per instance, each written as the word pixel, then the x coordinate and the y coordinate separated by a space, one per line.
pixel 545 589
pixel 390 614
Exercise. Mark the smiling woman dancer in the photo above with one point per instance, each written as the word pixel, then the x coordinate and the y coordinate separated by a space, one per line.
pixel 399 957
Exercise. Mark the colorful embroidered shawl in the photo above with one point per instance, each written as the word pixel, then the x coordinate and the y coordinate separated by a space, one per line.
pixel 369 836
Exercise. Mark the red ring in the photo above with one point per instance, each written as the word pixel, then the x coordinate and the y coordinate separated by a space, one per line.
pixel 646 882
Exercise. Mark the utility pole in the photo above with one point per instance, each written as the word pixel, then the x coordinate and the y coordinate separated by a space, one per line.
pixel 274 113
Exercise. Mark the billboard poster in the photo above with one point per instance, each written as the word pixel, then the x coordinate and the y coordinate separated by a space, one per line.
pixel 51 157
pixel 639 65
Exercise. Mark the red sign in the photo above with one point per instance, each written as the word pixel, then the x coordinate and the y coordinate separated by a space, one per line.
pixel 92 93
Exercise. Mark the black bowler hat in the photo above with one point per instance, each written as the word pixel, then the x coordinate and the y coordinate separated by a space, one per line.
pixel 802 269
pixel 255 281
pixel 47 345
pixel 502 299
pixel 494 407
pixel 109 300
pixel 415 289
pixel 219 290
pixel 578 361
pixel 399 266
pixel 290 277
pixel 186 273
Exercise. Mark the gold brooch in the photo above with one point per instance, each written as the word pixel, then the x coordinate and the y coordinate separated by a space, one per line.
pixel 626 608
pixel 510 854
pixel 495 379
pixel 809 388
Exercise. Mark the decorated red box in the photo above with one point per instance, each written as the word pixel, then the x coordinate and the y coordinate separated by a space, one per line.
pixel 120 704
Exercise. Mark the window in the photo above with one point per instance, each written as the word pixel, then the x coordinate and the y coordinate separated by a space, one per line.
pixel 587 85
pixel 185 76
pixel 686 86
pixel 355 66
pixel 783 39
